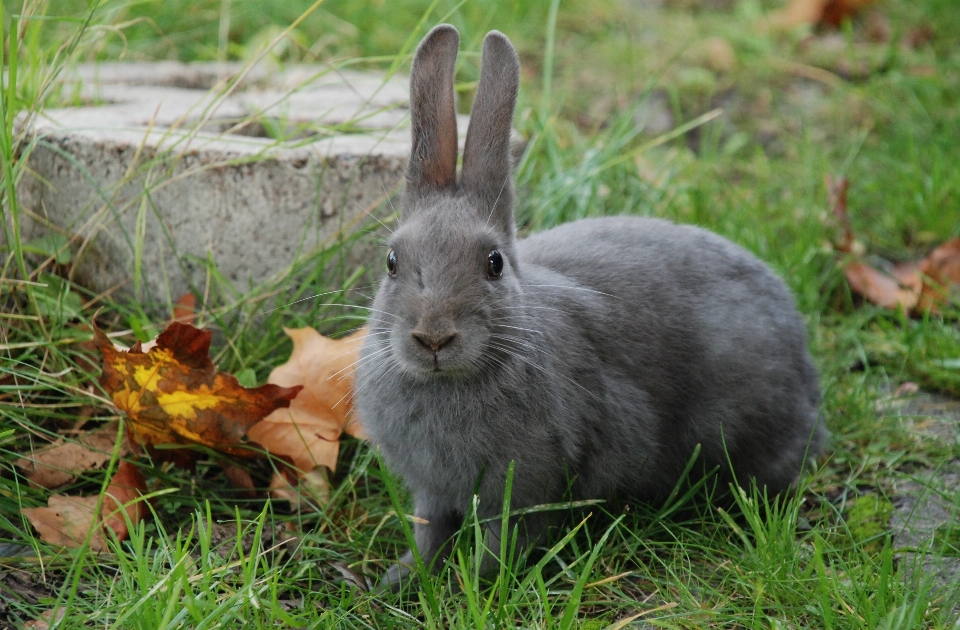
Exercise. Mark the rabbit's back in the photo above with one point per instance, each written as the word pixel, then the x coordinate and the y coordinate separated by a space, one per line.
pixel 698 342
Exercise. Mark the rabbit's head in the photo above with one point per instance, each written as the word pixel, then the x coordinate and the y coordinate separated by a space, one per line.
pixel 452 280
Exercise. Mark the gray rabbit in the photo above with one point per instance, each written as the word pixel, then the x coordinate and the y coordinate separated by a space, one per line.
pixel 596 356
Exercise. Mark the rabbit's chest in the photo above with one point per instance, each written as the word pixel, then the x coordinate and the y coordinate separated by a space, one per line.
pixel 451 443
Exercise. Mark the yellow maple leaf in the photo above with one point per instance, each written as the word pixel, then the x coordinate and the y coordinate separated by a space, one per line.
pixel 174 395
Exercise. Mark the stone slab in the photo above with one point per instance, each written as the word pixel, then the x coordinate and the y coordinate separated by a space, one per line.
pixel 180 164
pixel 926 520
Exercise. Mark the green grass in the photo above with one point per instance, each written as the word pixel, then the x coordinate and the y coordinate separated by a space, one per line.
pixel 823 558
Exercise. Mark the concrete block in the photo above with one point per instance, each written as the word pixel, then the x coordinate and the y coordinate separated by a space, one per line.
pixel 179 164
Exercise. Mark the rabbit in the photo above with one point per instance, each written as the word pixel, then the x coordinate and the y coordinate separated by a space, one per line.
pixel 595 356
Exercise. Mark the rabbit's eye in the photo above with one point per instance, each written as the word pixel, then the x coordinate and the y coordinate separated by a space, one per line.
pixel 494 264
pixel 392 263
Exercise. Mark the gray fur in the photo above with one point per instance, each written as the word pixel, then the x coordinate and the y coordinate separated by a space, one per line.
pixel 607 351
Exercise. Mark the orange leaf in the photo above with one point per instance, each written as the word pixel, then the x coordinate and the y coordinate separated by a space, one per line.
pixel 309 431
pixel 66 521
pixel 174 395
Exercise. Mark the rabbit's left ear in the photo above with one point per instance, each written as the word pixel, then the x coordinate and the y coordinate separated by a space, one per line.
pixel 433 159
pixel 486 155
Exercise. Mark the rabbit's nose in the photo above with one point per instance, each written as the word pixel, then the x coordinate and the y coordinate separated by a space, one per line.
pixel 433 342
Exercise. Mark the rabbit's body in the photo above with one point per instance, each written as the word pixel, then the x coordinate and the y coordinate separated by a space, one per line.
pixel 595 356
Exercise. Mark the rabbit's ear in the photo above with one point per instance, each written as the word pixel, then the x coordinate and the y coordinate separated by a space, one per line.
pixel 486 155
pixel 433 160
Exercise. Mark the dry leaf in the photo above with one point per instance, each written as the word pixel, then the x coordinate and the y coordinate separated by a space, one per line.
pixel 301 489
pixel 174 395
pixel 812 12
pixel 61 462
pixel 308 432
pixel 352 577
pixel 836 11
pixel 184 312
pixel 185 309
pixel 240 478
pixel 940 274
pixel 917 286
pixel 46 618
pixel 66 521
pixel 798 13
pixel 878 287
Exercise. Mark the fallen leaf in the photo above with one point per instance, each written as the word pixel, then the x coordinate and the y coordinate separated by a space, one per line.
pixel 837 194
pixel 61 462
pixel 878 28
pixel 240 478
pixel 922 286
pixel 307 438
pixel 798 13
pixel 46 618
pixel 919 37
pixel 66 521
pixel 185 309
pixel 300 489
pixel 308 431
pixel 184 312
pixel 878 287
pixel 940 274
pixel 812 12
pixel 836 11
pixel 352 577
pixel 174 395
pixel 125 488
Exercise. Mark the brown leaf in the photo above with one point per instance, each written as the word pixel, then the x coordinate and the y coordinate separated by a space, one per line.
pixel 46 618
pixel 812 12
pixel 798 13
pixel 877 287
pixel 836 11
pixel 61 462
pixel 240 479
pixel 125 488
pixel 185 310
pixel 308 432
pixel 940 272
pixel 174 395
pixel 307 438
pixel 919 36
pixel 923 286
pixel 352 577
pixel 837 198
pixel 917 286
pixel 66 521
pixel 301 489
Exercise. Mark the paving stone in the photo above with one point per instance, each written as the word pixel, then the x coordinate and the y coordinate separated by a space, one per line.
pixel 927 502
pixel 174 163
pixel 926 516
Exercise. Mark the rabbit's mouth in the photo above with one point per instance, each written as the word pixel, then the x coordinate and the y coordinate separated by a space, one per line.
pixel 445 362
pixel 430 344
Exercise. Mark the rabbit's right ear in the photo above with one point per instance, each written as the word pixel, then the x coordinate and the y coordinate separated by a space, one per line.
pixel 433 160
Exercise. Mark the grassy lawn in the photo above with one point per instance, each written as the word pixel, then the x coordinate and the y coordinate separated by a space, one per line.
pixel 763 116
